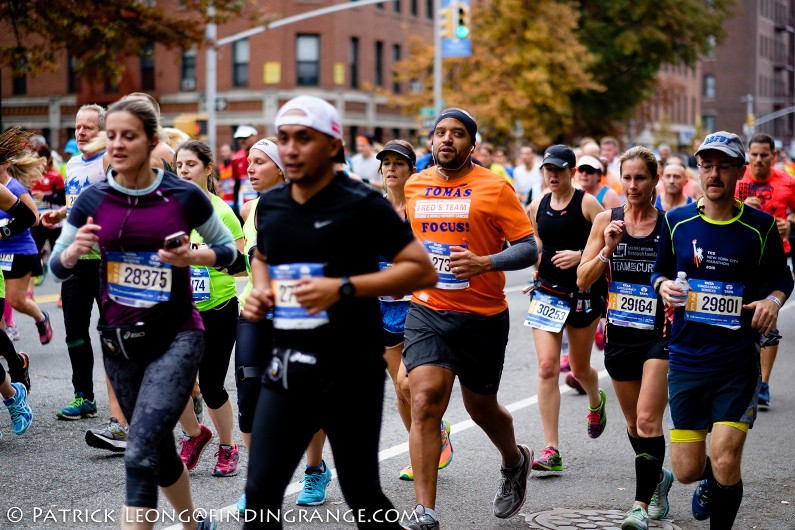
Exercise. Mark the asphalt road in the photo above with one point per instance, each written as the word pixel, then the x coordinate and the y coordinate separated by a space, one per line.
pixel 49 478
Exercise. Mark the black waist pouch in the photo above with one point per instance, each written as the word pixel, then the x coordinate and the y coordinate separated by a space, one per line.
pixel 292 368
pixel 139 341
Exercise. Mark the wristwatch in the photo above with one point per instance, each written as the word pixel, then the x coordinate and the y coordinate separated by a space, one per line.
pixel 6 232
pixel 347 289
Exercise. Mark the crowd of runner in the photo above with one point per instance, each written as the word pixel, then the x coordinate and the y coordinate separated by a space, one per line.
pixel 629 252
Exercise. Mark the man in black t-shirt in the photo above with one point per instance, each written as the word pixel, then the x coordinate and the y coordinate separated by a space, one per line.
pixel 316 265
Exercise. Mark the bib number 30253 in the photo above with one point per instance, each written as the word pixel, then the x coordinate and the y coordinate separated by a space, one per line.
pixel 287 312
pixel 547 312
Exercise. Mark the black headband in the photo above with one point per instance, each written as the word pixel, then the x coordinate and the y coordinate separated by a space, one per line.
pixel 464 117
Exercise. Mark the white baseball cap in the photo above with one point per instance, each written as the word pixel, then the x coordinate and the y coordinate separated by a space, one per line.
pixel 313 112
pixel 270 149
pixel 590 162
pixel 244 131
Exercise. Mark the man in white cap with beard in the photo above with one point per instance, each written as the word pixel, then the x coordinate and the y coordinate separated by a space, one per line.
pixel 322 280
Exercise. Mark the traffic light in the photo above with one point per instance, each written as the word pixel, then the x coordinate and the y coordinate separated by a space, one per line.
pixel 463 20
pixel 446 22
pixel 750 120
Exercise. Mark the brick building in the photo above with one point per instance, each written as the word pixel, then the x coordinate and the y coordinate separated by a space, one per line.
pixel 757 58
pixel 346 57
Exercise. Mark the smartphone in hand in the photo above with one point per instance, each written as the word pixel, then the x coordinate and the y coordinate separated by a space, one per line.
pixel 174 240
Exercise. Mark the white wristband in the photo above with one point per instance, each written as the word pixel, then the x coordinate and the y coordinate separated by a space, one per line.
pixel 602 258
pixel 774 299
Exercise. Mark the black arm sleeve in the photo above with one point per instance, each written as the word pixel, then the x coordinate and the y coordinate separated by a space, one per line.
pixel 23 218
pixel 58 197
pixel 521 254
pixel 239 265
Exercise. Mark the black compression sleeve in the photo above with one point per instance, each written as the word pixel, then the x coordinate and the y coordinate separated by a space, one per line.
pixel 23 218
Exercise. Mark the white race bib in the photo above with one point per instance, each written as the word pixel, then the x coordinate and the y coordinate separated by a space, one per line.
pixel 440 258
pixel 631 305
pixel 715 303
pixel 138 279
pixel 200 283
pixel 547 312
pixel 287 312
pixel 6 261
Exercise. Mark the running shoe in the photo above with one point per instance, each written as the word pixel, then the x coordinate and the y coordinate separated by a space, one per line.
pixel 60 303
pixel 192 447
pixel 446 455
pixel 599 336
pixel 206 522
pixel 550 460
pixel 314 491
pixel 23 374
pixel 637 519
pixel 407 473
pixel 700 504
pixel 18 407
pixel 420 520
pixel 513 486
pixel 764 396
pixel 564 364
pixel 45 329
pixel 241 504
pixel 658 507
pixel 228 456
pixel 112 437
pixel 198 407
pixel 597 418
pixel 12 331
pixel 78 408
pixel 573 383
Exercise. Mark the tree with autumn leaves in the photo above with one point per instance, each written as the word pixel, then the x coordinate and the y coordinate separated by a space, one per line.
pixel 98 33
pixel 556 69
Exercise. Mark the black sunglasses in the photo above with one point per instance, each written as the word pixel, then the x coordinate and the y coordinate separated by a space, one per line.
pixel 587 170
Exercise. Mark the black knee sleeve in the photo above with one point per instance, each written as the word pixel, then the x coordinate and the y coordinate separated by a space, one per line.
pixel 141 487
pixel 171 468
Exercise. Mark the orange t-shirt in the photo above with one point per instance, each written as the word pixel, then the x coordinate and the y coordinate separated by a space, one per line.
pixel 479 211
pixel 776 194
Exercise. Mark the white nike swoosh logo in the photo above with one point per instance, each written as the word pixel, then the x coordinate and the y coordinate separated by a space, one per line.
pixel 321 224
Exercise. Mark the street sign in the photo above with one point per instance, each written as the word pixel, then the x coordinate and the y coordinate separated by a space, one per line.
pixel 221 104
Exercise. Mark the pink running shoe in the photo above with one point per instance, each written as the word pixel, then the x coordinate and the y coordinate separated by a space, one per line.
pixel 228 457
pixel 564 364
pixel 573 383
pixel 192 447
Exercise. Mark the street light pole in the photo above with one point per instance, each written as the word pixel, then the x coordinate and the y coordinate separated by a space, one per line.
pixel 211 87
pixel 437 58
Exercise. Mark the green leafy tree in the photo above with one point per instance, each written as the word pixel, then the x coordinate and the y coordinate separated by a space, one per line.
pixel 525 66
pixel 562 69
pixel 99 33
pixel 630 41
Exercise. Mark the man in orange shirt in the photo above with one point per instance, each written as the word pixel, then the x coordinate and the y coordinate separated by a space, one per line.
pixel 773 192
pixel 463 214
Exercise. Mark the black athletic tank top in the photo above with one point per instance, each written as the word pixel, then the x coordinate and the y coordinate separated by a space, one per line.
pixel 632 262
pixel 566 229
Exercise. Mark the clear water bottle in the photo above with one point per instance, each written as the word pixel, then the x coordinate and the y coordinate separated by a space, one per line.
pixel 681 281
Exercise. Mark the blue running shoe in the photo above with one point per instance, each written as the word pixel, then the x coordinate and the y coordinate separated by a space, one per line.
pixel 658 507
pixel 314 492
pixel 19 409
pixel 78 408
pixel 700 505
pixel 241 504
pixel 764 396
